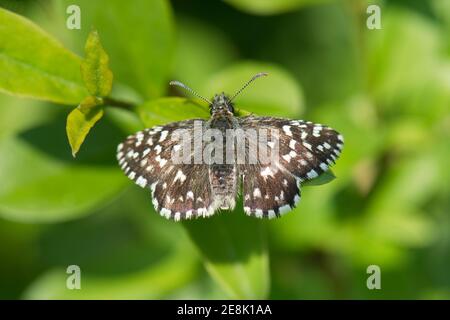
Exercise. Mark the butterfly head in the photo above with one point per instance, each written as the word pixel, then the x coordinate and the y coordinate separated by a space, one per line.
pixel 221 106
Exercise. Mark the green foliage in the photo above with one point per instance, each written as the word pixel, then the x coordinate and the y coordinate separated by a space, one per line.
pixel 165 110
pixel 53 186
pixel 386 90
pixel 140 43
pixel 97 76
pixel 98 79
pixel 159 280
pixel 267 7
pixel 33 64
pixel 237 260
pixel 81 120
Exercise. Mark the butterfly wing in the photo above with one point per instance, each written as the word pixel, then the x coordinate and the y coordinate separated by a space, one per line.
pixel 147 158
pixel 305 150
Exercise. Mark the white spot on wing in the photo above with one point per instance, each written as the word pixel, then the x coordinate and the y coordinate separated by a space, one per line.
pixel 287 158
pixel 258 213
pixel 180 176
pixel 284 209
pixel 163 135
pixel 266 172
pixel 312 174
pixel 292 144
pixel 141 181
pixel 287 130
pixel 271 214
pixel 166 213
pixel 307 145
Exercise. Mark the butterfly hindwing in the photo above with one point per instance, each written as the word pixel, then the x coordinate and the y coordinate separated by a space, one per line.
pixel 305 150
pixel 268 192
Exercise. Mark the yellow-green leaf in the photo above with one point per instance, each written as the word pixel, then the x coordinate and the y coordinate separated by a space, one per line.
pixel 80 121
pixel 95 67
pixel 34 64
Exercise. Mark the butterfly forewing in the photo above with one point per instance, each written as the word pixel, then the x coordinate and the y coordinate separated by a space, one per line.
pixel 179 191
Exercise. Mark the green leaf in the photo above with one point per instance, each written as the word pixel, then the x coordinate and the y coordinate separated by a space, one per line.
pixel 324 178
pixel 140 43
pixel 267 7
pixel 235 253
pixel 165 110
pixel 33 64
pixel 43 183
pixel 95 71
pixel 19 114
pixel 154 282
pixel 81 120
pixel 278 94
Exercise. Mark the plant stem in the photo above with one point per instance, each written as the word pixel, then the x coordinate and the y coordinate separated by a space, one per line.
pixel 118 103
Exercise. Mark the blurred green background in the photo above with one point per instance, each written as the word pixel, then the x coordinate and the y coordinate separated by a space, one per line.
pixel 387 91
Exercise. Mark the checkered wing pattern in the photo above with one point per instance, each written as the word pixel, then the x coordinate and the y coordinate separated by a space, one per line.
pixel 179 191
pixel 305 151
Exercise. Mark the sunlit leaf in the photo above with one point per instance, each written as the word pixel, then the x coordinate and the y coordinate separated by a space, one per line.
pixel 95 70
pixel 81 120
pixel 33 64
pixel 17 114
pixel 154 283
pixel 166 110
pixel 43 183
pixel 267 7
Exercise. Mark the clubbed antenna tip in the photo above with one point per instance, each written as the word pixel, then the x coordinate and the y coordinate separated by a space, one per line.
pixel 182 85
pixel 256 76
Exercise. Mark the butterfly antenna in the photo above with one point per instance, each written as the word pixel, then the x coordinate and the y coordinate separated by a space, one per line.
pixel 185 87
pixel 256 76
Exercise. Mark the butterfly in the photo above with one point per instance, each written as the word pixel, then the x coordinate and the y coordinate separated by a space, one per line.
pixel 298 151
